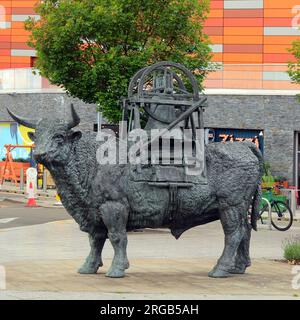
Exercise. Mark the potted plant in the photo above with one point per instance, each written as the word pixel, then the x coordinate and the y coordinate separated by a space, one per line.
pixel 267 179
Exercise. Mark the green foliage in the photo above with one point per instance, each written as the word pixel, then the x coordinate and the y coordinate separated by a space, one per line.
pixel 294 67
pixel 93 47
pixel 267 177
pixel 292 249
pixel 18 159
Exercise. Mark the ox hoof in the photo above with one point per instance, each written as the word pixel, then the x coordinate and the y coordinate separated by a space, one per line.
pixel 218 273
pixel 89 269
pixel 115 273
pixel 238 270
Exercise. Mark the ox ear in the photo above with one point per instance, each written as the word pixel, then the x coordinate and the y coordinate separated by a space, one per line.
pixel 31 135
pixel 76 135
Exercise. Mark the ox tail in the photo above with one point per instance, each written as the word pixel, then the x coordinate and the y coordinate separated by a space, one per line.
pixel 258 194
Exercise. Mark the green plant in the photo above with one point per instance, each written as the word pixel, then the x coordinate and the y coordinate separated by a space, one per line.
pixel 93 47
pixel 18 159
pixel 21 160
pixel 291 248
pixel 267 177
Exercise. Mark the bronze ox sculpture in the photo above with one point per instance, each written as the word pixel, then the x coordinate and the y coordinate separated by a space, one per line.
pixel 107 200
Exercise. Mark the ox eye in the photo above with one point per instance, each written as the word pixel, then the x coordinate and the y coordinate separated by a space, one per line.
pixel 59 137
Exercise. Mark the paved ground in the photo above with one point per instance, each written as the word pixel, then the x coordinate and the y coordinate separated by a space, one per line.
pixel 15 214
pixel 42 249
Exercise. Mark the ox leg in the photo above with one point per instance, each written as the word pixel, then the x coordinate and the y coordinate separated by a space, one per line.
pixel 242 260
pixel 115 216
pixel 94 259
pixel 232 223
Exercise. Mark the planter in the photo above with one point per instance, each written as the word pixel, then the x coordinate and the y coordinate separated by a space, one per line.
pixel 285 184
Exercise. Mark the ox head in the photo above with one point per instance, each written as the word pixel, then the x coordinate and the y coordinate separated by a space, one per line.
pixel 53 137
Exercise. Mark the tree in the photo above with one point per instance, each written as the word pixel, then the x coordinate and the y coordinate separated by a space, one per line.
pixel 294 67
pixel 93 47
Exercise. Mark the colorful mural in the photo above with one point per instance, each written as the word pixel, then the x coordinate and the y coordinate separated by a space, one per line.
pixel 12 133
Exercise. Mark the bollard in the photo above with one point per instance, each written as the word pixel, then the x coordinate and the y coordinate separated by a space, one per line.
pixel 45 180
pixel 21 179
pixel 31 185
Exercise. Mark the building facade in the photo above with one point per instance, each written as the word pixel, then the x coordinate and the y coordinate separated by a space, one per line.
pixel 250 93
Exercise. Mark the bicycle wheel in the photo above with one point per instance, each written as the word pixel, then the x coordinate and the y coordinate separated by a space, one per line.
pixel 281 216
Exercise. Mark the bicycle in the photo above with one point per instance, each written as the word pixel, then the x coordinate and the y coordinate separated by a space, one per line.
pixel 281 213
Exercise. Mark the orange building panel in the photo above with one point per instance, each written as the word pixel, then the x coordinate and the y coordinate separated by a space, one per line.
pixel 213 31
pixel 250 13
pixel 276 48
pixel 283 85
pixel 285 40
pixel 23 39
pixel 242 67
pixel 20 65
pixel 5 65
pixel 243 22
pixel 23 4
pixel 241 75
pixel 22 10
pixel 5 32
pixel 277 22
pixel 216 39
pixel 243 40
pixel 280 4
pixel 4 59
pixel 279 13
pixel 278 58
pixel 4 39
pixel 242 58
pixel 208 83
pixel 238 31
pixel 249 48
pixel 21 60
pixel 216 14
pixel 215 75
pixel 20 45
pixel 239 84
pixel 216 4
pixel 217 57
pixel 17 25
pixel 5 45
pixel 276 68
pixel 5 3
pixel 19 32
pixel 214 22
pixel 4 52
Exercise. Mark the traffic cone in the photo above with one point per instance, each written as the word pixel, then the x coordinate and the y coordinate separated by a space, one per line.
pixel 31 200
pixel 58 202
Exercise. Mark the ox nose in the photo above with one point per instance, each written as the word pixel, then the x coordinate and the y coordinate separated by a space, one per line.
pixel 39 156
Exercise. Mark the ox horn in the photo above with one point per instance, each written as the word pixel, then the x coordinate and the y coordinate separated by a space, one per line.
pixel 75 118
pixel 23 121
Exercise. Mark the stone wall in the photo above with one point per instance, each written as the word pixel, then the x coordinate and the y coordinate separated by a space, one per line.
pixel 38 105
pixel 278 117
